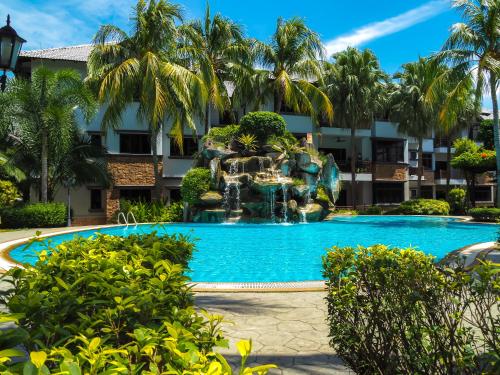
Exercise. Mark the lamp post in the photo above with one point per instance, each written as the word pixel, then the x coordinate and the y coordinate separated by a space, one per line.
pixel 10 46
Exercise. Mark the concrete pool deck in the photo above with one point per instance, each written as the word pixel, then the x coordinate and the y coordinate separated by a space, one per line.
pixel 287 329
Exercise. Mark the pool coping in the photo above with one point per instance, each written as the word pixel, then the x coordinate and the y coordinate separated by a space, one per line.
pixel 7 262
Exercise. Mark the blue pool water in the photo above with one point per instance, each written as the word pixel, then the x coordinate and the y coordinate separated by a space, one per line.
pixel 273 252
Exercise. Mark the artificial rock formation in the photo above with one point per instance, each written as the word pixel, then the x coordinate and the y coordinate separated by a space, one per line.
pixel 264 186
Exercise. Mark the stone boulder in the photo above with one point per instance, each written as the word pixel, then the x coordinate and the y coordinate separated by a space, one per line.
pixel 215 173
pixel 300 191
pixel 313 212
pixel 210 216
pixel 256 209
pixel 211 151
pixel 211 198
pixel 330 177
pixel 251 164
pixel 292 205
pixel 308 163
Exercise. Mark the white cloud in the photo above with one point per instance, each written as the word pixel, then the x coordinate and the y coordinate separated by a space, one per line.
pixel 389 26
pixel 55 23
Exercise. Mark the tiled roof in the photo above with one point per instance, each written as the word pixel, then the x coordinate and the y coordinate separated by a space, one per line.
pixel 71 53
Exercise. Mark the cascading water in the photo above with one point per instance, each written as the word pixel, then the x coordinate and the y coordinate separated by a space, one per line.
pixel 272 204
pixel 285 203
pixel 302 216
pixel 261 165
pixel 232 190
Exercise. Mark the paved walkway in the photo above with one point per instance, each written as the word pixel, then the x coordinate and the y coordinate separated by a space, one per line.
pixel 22 233
pixel 287 329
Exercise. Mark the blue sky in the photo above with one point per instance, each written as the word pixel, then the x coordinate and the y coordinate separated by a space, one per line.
pixel 398 31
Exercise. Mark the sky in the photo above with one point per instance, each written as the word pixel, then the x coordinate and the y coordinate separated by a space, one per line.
pixel 398 31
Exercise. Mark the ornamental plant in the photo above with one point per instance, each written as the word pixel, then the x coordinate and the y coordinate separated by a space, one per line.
pixel 263 125
pixel 424 207
pixel 9 193
pixel 195 183
pixel 394 311
pixel 457 201
pixel 110 305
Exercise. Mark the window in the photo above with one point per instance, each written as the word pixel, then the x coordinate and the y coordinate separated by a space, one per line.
pixel 136 195
pixel 427 160
pixel 427 192
pixel 413 155
pixel 388 193
pixel 483 194
pixel 135 143
pixel 95 199
pixel 95 138
pixel 340 154
pixel 189 145
pixel 175 195
pixel 389 151
pixel 413 193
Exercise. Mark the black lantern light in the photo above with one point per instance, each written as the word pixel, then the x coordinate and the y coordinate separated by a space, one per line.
pixel 10 46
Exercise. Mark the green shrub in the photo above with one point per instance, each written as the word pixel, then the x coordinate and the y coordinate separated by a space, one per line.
pixel 9 193
pixel 373 210
pixel 457 200
pixel 37 215
pixel 485 214
pixel 154 212
pixel 393 311
pixel 424 207
pixel 109 303
pixel 263 125
pixel 194 184
pixel 223 135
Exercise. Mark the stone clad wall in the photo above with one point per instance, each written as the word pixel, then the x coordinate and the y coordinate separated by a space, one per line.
pixel 129 170
pixel 390 172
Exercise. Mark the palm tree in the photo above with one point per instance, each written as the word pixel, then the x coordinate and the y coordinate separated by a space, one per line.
pixel 42 111
pixel 416 115
pixel 217 50
pixel 80 164
pixel 356 85
pixel 453 94
pixel 473 47
pixel 142 67
pixel 292 57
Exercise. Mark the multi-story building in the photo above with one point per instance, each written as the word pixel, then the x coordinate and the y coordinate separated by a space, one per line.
pixel 386 161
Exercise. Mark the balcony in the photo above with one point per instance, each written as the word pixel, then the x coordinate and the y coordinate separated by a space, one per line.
pixel 397 172
pixel 427 176
pixel 456 177
pixel 361 166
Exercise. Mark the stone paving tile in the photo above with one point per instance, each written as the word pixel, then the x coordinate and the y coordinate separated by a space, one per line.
pixel 287 329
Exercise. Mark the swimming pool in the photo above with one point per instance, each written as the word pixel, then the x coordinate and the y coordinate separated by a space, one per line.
pixel 280 253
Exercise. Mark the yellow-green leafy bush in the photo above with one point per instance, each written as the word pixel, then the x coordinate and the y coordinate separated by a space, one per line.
pixel 424 207
pixel 110 305
pixel 195 183
pixel 393 311
pixel 9 193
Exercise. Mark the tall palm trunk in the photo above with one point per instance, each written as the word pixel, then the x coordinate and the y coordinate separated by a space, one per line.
pixel 278 98
pixel 68 191
pixel 420 166
pixel 207 118
pixel 448 166
pixel 157 191
pixel 45 169
pixel 353 165
pixel 496 130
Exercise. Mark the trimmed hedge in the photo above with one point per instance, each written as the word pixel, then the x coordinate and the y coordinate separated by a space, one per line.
pixel 154 212
pixel 372 210
pixel 37 215
pixel 194 184
pixel 263 125
pixel 223 135
pixel 457 200
pixel 424 207
pixel 491 215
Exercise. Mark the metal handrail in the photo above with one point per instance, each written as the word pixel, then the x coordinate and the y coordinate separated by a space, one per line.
pixel 121 214
pixel 133 217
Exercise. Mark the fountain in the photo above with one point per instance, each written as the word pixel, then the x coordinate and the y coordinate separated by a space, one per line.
pixel 262 184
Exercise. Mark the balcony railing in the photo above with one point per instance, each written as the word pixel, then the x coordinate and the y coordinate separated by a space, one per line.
pixel 361 166
pixel 390 171
pixel 455 174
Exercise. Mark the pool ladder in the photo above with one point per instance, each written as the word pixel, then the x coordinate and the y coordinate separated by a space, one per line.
pixel 126 219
